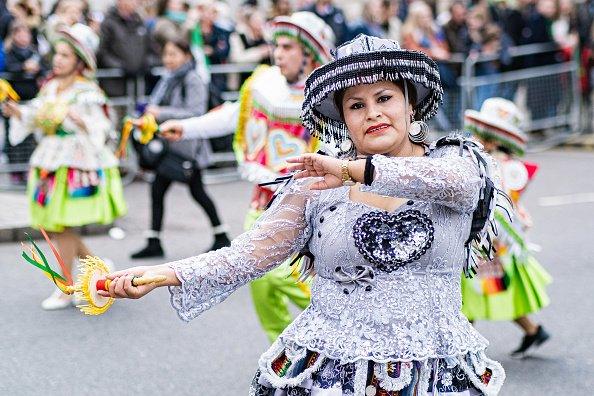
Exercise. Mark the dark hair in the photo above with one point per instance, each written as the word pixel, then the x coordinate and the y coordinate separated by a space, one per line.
pixel 180 42
pixel 163 4
pixel 412 95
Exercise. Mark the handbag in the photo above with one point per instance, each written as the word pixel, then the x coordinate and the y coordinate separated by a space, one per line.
pixel 156 156
pixel 152 153
pixel 177 167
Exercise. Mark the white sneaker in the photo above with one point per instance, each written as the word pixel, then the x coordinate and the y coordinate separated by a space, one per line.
pixel 57 300
pixel 77 300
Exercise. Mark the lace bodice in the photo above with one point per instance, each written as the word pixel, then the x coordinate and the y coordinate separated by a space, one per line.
pixel 361 308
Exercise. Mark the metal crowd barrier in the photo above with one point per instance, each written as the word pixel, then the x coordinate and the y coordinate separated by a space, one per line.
pixel 549 94
pixel 14 160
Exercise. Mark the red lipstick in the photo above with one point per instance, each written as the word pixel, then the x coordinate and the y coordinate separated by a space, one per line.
pixel 376 128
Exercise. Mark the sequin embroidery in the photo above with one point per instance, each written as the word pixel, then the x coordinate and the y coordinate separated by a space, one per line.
pixel 391 241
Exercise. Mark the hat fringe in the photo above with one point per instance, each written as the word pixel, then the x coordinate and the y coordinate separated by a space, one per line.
pixel 368 68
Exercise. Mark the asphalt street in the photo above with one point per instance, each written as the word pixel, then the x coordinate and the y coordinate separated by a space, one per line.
pixel 142 348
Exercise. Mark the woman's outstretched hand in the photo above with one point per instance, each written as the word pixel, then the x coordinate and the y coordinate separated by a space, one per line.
pixel 121 281
pixel 329 168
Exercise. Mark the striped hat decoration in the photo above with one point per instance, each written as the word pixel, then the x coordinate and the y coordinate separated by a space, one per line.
pixel 84 41
pixel 499 120
pixel 309 30
pixel 367 60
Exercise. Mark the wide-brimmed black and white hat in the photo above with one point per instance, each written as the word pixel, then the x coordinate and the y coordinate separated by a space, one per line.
pixel 367 60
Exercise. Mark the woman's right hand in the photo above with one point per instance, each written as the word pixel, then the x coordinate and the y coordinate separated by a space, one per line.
pixel 172 130
pixel 121 281
pixel 316 165
pixel 11 109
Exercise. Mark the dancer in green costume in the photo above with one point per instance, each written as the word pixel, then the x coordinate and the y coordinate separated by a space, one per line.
pixel 513 285
pixel 268 130
pixel 74 178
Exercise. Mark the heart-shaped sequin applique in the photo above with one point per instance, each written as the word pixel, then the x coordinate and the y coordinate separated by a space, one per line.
pixel 391 241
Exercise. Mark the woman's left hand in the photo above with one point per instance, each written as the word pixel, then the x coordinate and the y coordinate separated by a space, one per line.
pixel 316 165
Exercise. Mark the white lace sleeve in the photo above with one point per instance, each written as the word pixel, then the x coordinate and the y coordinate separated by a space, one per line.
pixel 282 230
pixel 444 178
pixel 20 128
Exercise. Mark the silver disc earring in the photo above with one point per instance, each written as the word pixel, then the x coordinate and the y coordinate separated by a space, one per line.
pixel 417 132
pixel 346 145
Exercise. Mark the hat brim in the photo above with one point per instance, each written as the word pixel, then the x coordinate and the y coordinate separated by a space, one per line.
pixel 319 112
pixel 506 134
pixel 283 26
pixel 86 55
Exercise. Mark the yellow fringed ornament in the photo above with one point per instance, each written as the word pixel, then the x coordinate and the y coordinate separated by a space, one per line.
pixel 147 125
pixel 90 279
pixel 7 92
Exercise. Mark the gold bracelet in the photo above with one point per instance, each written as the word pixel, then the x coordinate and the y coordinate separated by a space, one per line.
pixel 347 180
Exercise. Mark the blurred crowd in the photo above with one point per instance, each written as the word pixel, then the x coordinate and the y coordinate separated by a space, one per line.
pixel 132 32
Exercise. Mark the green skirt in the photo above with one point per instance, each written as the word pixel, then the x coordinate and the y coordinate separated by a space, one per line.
pixel 523 294
pixel 70 198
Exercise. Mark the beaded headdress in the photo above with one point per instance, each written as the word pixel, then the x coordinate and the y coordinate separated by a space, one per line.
pixel 367 60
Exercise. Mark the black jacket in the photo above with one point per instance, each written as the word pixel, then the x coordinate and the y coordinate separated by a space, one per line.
pixel 336 20
pixel 126 44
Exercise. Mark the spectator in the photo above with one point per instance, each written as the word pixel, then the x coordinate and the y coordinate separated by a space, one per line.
pixel 94 21
pixel 509 19
pixel 66 14
pixel 543 93
pixel 214 40
pixel 485 38
pixel 125 44
pixel 280 8
pixel 171 15
pixel 539 18
pixel 180 94
pixel 389 20
pixel 248 44
pixel 565 28
pixel 456 30
pixel 565 32
pixel 371 20
pixel 334 17
pixel 23 60
pixel 584 13
pixel 512 23
pixel 28 11
pixel 421 33
pixel 456 33
pixel 5 20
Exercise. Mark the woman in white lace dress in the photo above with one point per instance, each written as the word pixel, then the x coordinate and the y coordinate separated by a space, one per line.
pixel 385 238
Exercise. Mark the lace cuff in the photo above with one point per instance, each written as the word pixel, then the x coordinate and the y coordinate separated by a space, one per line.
pixel 282 230
pixel 450 179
